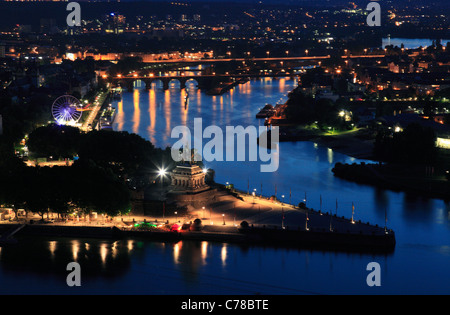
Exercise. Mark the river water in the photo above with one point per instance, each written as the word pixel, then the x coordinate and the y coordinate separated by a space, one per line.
pixel 411 43
pixel 419 264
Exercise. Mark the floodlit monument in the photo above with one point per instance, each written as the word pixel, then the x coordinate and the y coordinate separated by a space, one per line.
pixel 188 179
pixel 188 185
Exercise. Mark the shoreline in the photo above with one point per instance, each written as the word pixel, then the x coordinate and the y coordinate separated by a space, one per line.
pixel 348 143
pixel 373 240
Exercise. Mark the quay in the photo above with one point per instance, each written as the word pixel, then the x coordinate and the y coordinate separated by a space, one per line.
pixel 318 230
pixel 92 120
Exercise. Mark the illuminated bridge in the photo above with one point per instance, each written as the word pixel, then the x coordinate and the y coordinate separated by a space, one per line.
pixel 203 81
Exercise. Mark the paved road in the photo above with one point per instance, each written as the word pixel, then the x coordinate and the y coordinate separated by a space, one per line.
pixel 95 108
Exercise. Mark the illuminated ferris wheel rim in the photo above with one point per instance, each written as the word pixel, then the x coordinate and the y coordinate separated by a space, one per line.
pixel 67 110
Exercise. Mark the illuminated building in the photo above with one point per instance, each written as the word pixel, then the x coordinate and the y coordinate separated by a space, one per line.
pixel 187 179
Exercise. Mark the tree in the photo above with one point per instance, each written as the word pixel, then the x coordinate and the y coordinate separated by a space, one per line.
pixel 416 144
pixel 37 197
pixel 126 154
pixel 99 189
pixel 14 183
pixel 54 140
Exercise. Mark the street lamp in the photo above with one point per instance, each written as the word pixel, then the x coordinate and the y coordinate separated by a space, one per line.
pixel 203 213
pixel 162 173
pixel 306 221
pixel 223 216
pixel 176 213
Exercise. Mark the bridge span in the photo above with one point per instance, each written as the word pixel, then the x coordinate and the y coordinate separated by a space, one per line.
pixel 204 81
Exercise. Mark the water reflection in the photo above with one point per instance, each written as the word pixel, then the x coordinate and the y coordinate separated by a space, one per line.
pixel 176 252
pixel 416 208
pixel 224 110
pixel 204 252
pixel 40 256
pixel 223 255
pixel 193 267
pixel 120 117
pixel 52 248
pixel 152 114
pixel 137 111
pixel 103 253
pixel 330 155
pixel 381 198
pixel 188 256
pixel 75 249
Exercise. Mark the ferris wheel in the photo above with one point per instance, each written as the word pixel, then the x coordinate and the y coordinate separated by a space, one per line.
pixel 67 110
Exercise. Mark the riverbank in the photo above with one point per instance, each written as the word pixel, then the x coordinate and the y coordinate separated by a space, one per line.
pixel 355 143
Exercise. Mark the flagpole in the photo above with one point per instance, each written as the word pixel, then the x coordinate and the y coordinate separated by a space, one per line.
pixel 385 220
pixel 306 221
pixel 353 212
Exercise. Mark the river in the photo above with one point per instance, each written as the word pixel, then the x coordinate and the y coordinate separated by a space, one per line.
pixel 411 43
pixel 419 264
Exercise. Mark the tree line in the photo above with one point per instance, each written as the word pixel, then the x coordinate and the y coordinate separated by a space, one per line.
pixel 108 165
pixel 83 187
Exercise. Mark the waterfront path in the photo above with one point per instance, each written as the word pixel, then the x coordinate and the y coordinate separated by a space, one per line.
pixel 93 113
pixel 260 212
pixel 229 211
